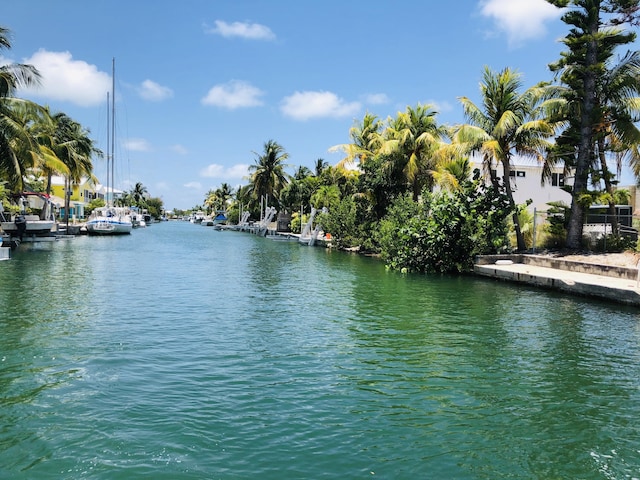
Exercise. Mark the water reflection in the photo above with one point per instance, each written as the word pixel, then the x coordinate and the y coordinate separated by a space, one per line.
pixel 201 354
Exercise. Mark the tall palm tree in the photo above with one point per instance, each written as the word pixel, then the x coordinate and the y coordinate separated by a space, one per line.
pixel 413 139
pixel 14 75
pixel 365 141
pixel 268 176
pixel 505 126
pixel 17 145
pixel 320 166
pixel 25 125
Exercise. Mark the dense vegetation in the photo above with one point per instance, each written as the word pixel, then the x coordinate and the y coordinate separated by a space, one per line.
pixel 405 190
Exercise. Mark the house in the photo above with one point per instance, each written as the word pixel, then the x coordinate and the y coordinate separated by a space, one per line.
pixel 526 184
pixel 79 196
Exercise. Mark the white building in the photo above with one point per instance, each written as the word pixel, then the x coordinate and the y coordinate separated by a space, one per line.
pixel 526 184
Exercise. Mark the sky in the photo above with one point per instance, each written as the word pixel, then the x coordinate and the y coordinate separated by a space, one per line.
pixel 202 85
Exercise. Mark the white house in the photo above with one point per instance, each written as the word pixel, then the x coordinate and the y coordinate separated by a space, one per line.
pixel 526 184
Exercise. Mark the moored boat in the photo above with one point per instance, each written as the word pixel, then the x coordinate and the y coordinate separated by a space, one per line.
pixel 24 224
pixel 109 221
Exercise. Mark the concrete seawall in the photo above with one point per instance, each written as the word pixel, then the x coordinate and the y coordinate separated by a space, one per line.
pixel 613 283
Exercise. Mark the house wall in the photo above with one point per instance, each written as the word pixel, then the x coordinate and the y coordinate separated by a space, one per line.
pixel 526 184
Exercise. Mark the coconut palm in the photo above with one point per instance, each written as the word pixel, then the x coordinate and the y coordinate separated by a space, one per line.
pixel 225 192
pixel 139 194
pixel 21 125
pixel 327 196
pixel 505 126
pixel 320 166
pixel 268 176
pixel 14 75
pixel 412 139
pixel 219 198
pixel 75 148
pixel 17 145
pixel 451 173
pixel 365 141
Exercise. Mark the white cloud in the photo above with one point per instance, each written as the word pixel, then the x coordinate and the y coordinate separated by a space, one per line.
pixel 214 170
pixel 306 105
pixel 150 90
pixel 440 106
pixel 193 185
pixel 68 80
pixel 179 149
pixel 376 99
pixel 251 31
pixel 137 145
pixel 520 19
pixel 234 94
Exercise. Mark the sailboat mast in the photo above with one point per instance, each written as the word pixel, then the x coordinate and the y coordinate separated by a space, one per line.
pixel 108 146
pixel 113 127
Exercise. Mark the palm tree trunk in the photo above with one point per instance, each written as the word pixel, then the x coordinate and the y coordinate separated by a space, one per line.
pixel 66 199
pixel 521 245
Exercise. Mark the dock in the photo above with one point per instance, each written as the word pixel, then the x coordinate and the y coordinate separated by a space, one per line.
pixel 606 282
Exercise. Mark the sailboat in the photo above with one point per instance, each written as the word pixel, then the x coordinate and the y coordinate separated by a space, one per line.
pixel 110 220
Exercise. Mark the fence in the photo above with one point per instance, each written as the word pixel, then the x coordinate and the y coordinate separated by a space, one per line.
pixel 597 229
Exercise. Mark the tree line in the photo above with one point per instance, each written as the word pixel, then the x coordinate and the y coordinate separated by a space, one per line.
pixel 36 143
pixel 405 188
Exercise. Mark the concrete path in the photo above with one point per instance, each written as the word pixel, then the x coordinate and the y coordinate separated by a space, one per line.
pixel 622 290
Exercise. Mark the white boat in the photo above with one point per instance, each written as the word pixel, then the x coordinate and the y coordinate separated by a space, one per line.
pixel 110 220
pixel 27 225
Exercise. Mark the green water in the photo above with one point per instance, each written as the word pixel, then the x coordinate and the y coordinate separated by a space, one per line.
pixel 181 352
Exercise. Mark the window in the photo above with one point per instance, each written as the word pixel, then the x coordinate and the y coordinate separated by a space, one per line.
pixel 520 173
pixel 557 179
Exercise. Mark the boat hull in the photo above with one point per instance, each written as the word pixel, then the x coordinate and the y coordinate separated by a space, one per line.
pixel 32 227
pixel 108 227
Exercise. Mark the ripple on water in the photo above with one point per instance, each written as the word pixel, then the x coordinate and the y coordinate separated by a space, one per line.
pixel 181 352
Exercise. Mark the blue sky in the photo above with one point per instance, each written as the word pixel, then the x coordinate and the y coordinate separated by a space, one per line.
pixel 203 84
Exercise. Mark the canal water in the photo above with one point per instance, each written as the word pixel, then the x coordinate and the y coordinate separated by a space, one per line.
pixel 181 352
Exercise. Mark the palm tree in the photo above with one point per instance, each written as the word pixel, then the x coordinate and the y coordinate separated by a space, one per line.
pixel 412 139
pixel 26 124
pixel 505 126
pixel 72 144
pixel 320 166
pixel 219 198
pixel 17 145
pixel 139 194
pixel 326 196
pixel 451 173
pixel 14 75
pixel 591 42
pixel 302 172
pixel 268 177
pixel 618 133
pixel 365 141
